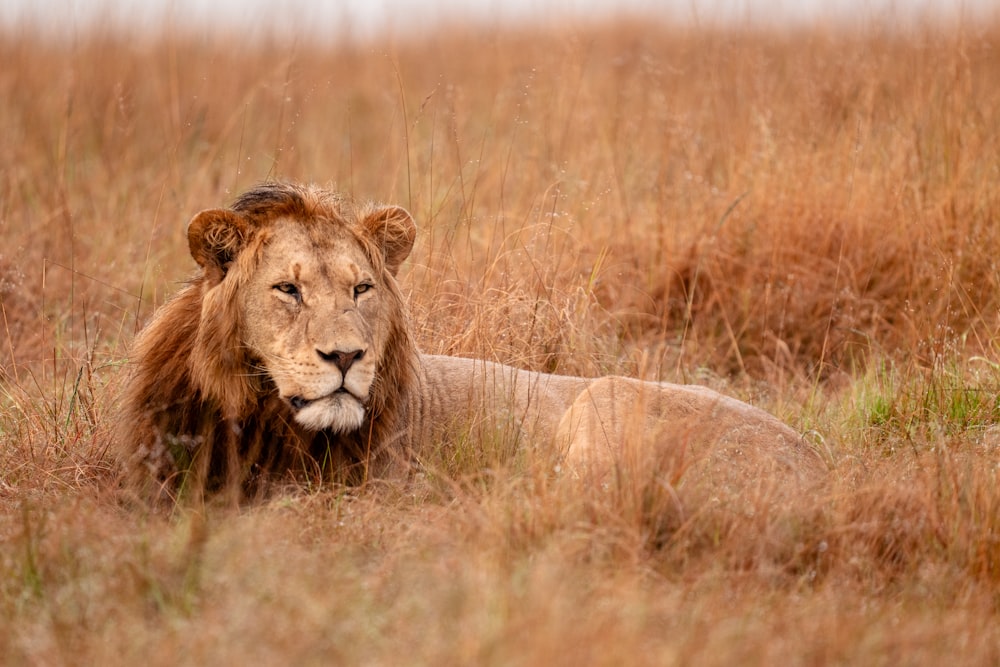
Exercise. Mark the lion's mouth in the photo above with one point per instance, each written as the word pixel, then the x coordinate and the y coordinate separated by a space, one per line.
pixel 340 411
pixel 301 402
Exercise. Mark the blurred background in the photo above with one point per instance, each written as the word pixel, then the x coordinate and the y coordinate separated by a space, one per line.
pixel 326 19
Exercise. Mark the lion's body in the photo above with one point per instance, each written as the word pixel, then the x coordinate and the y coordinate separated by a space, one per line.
pixel 593 427
pixel 290 355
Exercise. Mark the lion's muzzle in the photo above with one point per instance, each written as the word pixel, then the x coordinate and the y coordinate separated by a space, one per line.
pixel 339 411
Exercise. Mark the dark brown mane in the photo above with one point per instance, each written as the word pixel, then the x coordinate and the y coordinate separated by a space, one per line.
pixel 197 414
pixel 272 200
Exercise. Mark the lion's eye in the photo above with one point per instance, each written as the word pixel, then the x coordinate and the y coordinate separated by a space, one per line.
pixel 289 289
pixel 361 288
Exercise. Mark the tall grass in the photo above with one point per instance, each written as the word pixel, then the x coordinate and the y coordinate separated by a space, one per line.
pixel 806 220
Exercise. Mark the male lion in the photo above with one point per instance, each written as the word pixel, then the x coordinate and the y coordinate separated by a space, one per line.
pixel 290 355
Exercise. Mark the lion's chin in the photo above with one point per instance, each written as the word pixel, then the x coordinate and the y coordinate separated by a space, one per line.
pixel 340 412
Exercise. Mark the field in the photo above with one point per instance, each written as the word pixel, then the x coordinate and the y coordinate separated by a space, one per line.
pixel 809 221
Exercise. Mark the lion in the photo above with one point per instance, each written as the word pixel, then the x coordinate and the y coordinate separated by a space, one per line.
pixel 289 356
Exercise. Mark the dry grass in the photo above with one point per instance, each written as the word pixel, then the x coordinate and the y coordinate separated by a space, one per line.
pixel 808 221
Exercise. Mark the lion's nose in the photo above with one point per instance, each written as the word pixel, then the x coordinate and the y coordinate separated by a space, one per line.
pixel 343 360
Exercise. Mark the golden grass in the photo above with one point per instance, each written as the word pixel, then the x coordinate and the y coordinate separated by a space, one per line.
pixel 806 220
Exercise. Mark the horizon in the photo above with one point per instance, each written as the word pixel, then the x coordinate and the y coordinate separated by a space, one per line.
pixel 361 19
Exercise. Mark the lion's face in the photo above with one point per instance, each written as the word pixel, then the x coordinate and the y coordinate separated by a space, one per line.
pixel 315 302
pixel 314 315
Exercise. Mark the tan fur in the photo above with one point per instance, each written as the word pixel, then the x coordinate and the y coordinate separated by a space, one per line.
pixel 290 356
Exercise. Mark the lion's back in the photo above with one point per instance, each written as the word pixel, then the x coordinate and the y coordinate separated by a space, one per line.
pixel 711 444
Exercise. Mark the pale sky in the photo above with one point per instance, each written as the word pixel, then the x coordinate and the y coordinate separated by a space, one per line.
pixel 365 17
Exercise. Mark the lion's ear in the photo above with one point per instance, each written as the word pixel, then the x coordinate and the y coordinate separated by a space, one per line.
pixel 394 231
pixel 215 237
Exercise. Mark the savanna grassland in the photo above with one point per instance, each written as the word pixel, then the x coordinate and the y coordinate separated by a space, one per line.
pixel 807 220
